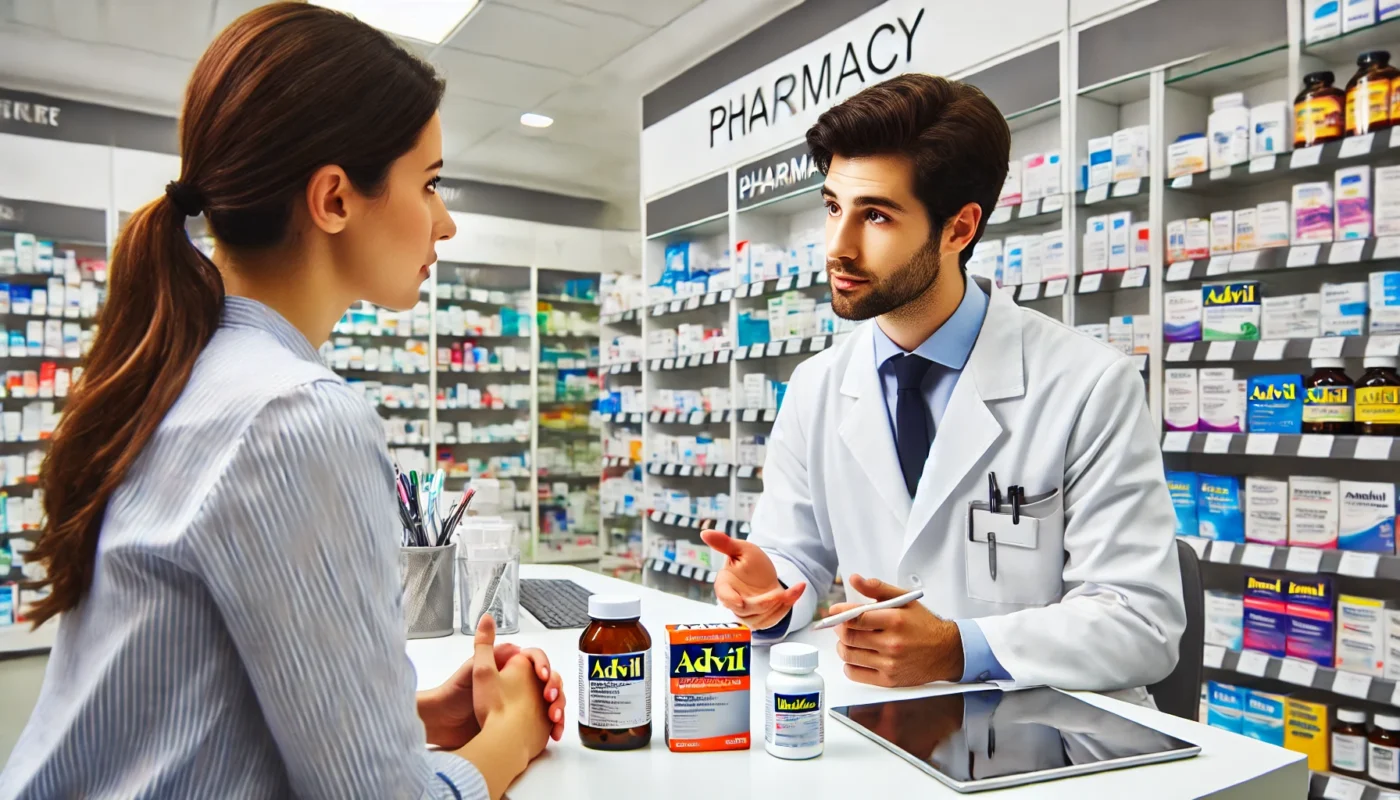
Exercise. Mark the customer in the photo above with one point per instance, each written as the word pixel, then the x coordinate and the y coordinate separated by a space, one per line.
pixel 222 536
pixel 889 447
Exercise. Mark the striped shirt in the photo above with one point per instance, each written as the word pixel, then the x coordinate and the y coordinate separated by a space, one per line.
pixel 244 633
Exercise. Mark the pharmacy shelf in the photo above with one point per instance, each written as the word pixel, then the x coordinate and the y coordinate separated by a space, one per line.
pixel 484 337
pixel 618 317
pixel 698 574
pixel 1109 198
pixel 1283 349
pixel 787 283
pixel 1299 165
pixel 729 526
pixel 564 300
pixel 671 470
pixel 1328 786
pixel 490 373
pixel 624 418
pixel 488 443
pixel 621 368
pixel 690 305
pixel 1299 560
pixel 696 361
pixel 1338 682
pixel 1115 281
pixel 1283 445
pixel 567 555
pixel 1036 215
pixel 690 417
pixel 1360 253
pixel 524 409
pixel 782 348
pixel 614 462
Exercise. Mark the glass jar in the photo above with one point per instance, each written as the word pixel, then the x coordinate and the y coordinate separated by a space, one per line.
pixel 614 676
pixel 1378 398
pixel 1327 399
pixel 1318 111
pixel 1368 93
pixel 1349 743
pixel 1383 751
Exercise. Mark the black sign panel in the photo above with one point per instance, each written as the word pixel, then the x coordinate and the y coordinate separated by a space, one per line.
pixel 791 171
pixel 63 224
pixel 46 117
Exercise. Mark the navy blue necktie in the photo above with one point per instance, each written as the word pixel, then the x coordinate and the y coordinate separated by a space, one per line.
pixel 913 434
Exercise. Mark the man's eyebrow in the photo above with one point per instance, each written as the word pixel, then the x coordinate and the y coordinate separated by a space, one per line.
pixel 435 165
pixel 867 200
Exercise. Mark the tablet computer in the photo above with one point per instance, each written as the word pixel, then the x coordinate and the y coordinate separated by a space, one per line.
pixel 989 739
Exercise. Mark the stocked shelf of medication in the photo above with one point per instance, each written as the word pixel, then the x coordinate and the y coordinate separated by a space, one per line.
pixel 1359 252
pixel 1282 445
pixel 673 470
pixel 1284 349
pixel 729 526
pixel 1298 560
pixel 624 368
pixel 1327 786
pixel 624 418
pixel 616 318
pixel 1306 674
pixel 783 347
pixel 687 571
pixel 618 461
pixel 692 361
pixel 689 418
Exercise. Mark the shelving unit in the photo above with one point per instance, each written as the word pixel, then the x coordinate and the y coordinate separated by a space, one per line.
pixel 42 356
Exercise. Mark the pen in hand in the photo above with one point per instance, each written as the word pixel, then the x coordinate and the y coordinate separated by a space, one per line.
pixel 846 616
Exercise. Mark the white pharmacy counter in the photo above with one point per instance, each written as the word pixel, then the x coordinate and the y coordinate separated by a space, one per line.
pixel 1229 766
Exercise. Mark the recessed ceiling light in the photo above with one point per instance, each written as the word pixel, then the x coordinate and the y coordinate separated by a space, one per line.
pixel 425 20
pixel 536 120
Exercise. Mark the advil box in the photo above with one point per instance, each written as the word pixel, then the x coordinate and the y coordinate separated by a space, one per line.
pixel 707 696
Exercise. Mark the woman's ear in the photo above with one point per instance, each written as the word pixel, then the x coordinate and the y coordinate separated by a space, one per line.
pixel 327 198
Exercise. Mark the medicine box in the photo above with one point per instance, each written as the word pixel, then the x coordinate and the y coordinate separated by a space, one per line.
pixel 1095 244
pixel 1313 512
pixel 1385 210
pixel 1297 316
pixel 1361 635
pixel 1130 157
pixel 1197 239
pixel 1226 706
pixel 1276 406
pixel 1055 263
pixel 1263 717
pixel 1176 241
pixel 1183 316
pixel 1222 232
pixel 1246 229
pixel 1384 299
pixel 1098 331
pixel 1311 623
pixel 1141 244
pixel 1352 186
pixel 1357 14
pixel 1344 309
pixel 1273 224
pixel 1120 334
pixel 707 693
pixel 1222 401
pixel 1187 155
pixel 1182 410
pixel 1266 511
pixel 1366 520
pixel 1312 212
pixel 1265 615
pixel 1306 731
pixel 1224 619
pixel 1119 240
pixel 1392 644
pixel 1230 311
pixel 1100 161
pixel 1322 19
pixel 1183 489
pixel 1219 515
pixel 1270 129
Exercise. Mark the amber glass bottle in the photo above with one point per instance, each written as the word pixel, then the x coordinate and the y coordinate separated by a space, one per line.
pixel 614 676
pixel 1318 111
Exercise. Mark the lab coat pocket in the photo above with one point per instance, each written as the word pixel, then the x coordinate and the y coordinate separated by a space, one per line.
pixel 1017 563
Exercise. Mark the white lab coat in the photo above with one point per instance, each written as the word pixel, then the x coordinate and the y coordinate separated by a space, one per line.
pixel 1097 607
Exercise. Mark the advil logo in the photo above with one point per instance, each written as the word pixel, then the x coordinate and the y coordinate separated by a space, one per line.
pixel 710 660
pixel 611 668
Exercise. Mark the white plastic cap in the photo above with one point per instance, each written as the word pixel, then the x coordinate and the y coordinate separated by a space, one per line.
pixel 614 606
pixel 793 657
pixel 1351 715
pixel 1372 362
pixel 1329 363
pixel 1388 721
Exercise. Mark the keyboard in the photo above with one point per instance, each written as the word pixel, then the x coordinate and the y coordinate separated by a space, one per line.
pixel 556 603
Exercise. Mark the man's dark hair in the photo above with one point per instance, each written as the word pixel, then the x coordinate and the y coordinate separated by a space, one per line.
pixel 956 137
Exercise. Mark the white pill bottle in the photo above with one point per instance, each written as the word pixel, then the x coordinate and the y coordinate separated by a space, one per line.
pixel 794 699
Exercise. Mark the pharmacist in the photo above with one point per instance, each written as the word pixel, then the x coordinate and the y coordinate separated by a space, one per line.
pixel 887 444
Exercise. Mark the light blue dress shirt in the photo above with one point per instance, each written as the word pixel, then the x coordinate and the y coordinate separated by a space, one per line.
pixel 948 348
pixel 243 636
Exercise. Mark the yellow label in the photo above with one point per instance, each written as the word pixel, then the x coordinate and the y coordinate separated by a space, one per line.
pixel 1327 404
pixel 1317 118
pixel 1367 104
pixel 1378 404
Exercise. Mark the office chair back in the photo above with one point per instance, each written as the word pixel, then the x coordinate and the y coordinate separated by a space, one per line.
pixel 1179 694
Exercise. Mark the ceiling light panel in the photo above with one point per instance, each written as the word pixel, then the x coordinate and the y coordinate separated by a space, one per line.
pixel 425 20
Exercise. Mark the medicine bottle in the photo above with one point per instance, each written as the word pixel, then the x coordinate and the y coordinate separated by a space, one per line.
pixel 1327 399
pixel 1349 743
pixel 794 726
pixel 1318 111
pixel 614 676
pixel 1378 398
pixel 1368 93
pixel 1383 751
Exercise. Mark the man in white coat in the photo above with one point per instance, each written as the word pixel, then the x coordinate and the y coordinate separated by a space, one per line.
pixel 884 453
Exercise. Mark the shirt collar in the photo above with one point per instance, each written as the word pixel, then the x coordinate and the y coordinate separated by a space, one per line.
pixel 951 344
pixel 242 312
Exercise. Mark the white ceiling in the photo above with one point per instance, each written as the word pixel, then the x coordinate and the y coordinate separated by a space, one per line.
pixel 584 62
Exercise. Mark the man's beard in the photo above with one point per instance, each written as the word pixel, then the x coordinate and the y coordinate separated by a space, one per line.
pixel 883 295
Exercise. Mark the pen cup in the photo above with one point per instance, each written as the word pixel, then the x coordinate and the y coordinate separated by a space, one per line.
pixel 489 583
pixel 426 573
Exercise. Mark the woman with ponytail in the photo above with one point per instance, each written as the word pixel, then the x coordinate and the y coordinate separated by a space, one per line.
pixel 220 536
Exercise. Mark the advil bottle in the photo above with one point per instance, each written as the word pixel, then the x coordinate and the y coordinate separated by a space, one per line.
pixel 614 676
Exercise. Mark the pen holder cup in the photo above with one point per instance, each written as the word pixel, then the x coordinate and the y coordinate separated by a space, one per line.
pixel 426 573
pixel 488 581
